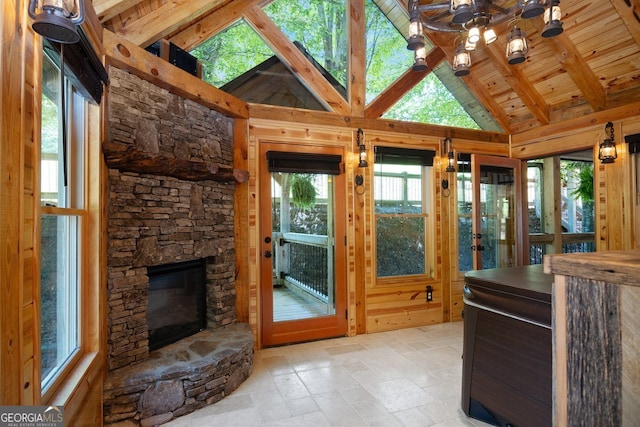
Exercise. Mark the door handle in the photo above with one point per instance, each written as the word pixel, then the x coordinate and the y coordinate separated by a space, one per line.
pixel 267 254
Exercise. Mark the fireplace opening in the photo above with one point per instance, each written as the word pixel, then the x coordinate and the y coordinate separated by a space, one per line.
pixel 177 301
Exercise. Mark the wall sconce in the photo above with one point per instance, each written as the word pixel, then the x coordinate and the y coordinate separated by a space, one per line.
pixel 451 162
pixel 362 156
pixel 362 161
pixel 57 20
pixel 607 152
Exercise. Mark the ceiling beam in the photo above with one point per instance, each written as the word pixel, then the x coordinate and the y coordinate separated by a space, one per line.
pixel 630 15
pixel 357 87
pixel 567 127
pixel 202 30
pixel 295 60
pixel 323 118
pixel 520 84
pixel 107 9
pixel 402 86
pixel 577 68
pixel 166 19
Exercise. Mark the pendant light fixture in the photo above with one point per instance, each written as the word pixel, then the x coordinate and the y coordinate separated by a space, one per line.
pixel 57 20
pixel 461 61
pixel 517 46
pixel 552 20
pixel 531 8
pixel 476 19
pixel 462 10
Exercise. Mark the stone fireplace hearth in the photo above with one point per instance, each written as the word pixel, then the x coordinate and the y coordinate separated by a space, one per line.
pixel 171 187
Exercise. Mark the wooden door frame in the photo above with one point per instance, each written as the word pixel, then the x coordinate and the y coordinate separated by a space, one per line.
pixel 285 332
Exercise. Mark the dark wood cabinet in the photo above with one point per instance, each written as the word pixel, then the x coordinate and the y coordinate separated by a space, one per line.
pixel 507 352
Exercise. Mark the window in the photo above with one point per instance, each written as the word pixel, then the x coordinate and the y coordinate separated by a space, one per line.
pixel 560 194
pixel 62 212
pixel 404 228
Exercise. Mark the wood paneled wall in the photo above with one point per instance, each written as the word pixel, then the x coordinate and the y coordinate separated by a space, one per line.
pixel 373 307
pixel 18 337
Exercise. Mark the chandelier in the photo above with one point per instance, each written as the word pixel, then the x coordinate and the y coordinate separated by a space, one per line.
pixel 474 20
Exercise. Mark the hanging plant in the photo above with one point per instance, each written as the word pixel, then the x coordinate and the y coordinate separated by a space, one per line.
pixel 584 190
pixel 303 192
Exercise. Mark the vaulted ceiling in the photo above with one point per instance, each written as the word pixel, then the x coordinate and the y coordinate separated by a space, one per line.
pixel 593 66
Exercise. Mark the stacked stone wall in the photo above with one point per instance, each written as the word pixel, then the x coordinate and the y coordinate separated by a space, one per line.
pixel 155 220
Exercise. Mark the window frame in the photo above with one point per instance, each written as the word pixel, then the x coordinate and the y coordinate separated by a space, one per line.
pixel 85 163
pixel 428 206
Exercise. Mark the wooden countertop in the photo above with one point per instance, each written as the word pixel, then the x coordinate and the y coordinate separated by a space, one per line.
pixel 621 267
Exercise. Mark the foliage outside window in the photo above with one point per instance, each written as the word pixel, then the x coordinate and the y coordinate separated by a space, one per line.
pixel 320 26
pixel 62 212
pixel 431 102
pixel 403 224
pixel 387 56
pixel 230 53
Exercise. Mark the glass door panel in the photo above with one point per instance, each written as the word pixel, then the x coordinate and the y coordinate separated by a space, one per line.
pixel 303 246
pixel 497 214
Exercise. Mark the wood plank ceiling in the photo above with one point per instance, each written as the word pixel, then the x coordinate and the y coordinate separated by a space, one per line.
pixel 593 66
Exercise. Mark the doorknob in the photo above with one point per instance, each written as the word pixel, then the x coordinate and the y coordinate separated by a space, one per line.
pixel 267 254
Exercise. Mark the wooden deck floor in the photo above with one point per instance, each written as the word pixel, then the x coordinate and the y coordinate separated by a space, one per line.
pixel 288 305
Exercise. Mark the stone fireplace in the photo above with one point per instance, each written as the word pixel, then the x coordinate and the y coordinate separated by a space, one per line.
pixel 176 307
pixel 171 187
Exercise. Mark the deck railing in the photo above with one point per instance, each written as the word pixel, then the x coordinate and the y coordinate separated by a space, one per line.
pixel 303 261
pixel 571 243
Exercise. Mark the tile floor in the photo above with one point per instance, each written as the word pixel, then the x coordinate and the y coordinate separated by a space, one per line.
pixel 408 377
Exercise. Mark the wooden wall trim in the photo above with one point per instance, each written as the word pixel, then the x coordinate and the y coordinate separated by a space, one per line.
pixel 568 127
pixel 11 200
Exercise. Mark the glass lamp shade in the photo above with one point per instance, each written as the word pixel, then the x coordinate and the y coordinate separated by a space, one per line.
pixel 474 35
pixel 531 8
pixel 450 162
pixel 517 46
pixel 490 36
pixel 57 20
pixel 461 61
pixel 553 23
pixel 462 10
pixel 362 157
pixel 607 152
pixel 469 46
pixel 420 59
pixel 416 36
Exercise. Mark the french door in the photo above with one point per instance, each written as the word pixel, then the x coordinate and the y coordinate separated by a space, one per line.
pixel 303 244
pixel 497 238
